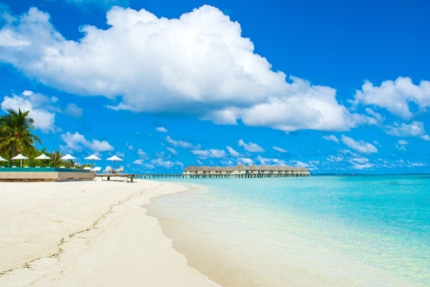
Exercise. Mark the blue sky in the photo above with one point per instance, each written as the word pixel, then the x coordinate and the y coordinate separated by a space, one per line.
pixel 334 86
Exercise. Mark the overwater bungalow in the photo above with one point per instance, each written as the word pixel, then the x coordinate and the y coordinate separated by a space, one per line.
pixel 242 171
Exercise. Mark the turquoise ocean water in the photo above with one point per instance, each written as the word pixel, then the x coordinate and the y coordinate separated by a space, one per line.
pixel 317 231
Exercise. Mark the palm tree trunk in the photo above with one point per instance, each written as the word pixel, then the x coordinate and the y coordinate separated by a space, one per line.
pixel 12 153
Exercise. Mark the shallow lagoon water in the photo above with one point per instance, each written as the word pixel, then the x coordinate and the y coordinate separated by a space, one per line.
pixel 317 231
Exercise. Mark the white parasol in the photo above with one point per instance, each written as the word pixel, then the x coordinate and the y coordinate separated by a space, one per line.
pixel 68 157
pixel 2 159
pixel 93 157
pixel 20 157
pixel 114 158
pixel 42 157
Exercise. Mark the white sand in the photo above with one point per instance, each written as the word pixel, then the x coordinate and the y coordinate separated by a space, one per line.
pixel 87 234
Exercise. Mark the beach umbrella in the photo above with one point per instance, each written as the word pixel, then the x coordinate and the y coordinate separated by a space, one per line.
pixel 20 157
pixel 3 159
pixel 114 158
pixel 93 157
pixel 68 157
pixel 42 157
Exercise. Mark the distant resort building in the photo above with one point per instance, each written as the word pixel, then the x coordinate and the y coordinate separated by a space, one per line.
pixel 242 171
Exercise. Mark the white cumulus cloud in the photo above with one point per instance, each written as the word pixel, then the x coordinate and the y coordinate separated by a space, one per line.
pixel 270 161
pixel 179 143
pixel 161 129
pixel 331 138
pixel 332 158
pixel 162 163
pixel 360 146
pixel 198 64
pixel 279 149
pixel 361 163
pixel 311 165
pixel 415 129
pixel 401 144
pixel 233 152
pixel 173 151
pixel 245 160
pixel 209 153
pixel 251 147
pixel 77 142
pixel 396 96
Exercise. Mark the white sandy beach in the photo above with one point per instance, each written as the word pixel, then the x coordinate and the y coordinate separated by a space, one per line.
pixel 87 234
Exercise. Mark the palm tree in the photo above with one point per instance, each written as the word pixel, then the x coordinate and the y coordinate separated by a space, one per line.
pixel 56 158
pixel 15 133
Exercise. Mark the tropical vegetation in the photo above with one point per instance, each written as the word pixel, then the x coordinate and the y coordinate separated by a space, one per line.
pixel 16 136
pixel 15 133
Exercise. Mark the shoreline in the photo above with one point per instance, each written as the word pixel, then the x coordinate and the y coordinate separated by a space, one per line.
pixel 88 234
pixel 232 250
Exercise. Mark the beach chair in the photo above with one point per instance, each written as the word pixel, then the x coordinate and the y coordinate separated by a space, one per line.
pixel 108 169
pixel 120 169
pixel 87 168
pixel 62 166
